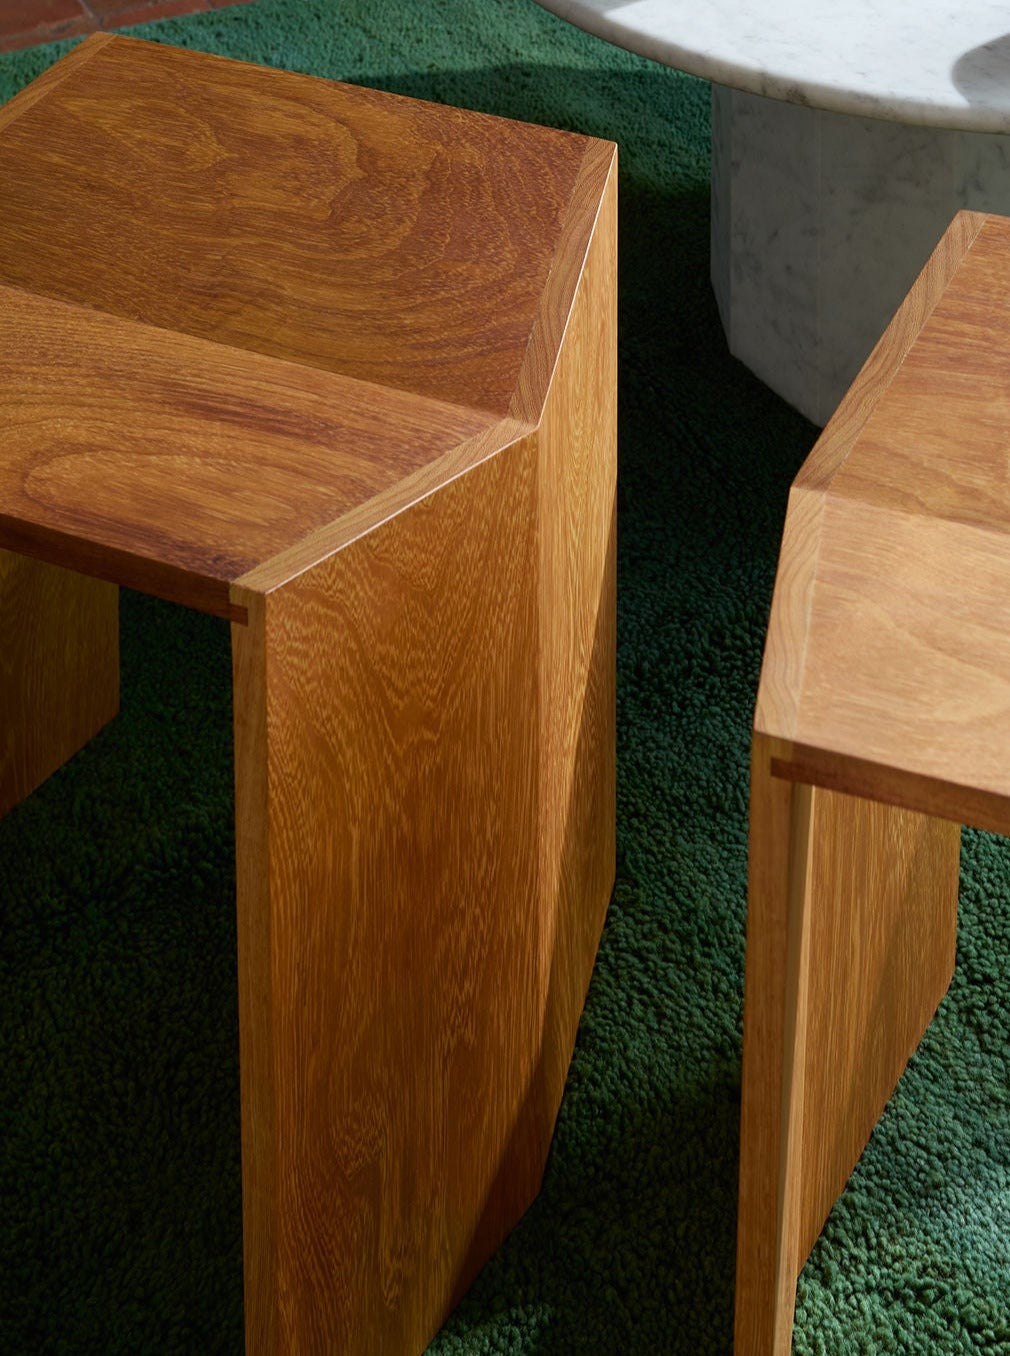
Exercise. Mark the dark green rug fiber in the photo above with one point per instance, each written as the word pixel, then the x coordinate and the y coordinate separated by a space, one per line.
pixel 120 1224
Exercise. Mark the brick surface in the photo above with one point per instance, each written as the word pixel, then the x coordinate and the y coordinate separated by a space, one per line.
pixel 109 12
pixel 124 13
pixel 24 23
pixel 25 16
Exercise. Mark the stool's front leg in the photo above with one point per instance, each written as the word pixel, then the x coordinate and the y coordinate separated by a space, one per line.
pixel 59 668
pixel 412 957
pixel 851 927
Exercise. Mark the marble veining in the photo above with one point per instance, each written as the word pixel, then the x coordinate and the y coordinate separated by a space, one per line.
pixel 933 63
pixel 821 222
pixel 845 135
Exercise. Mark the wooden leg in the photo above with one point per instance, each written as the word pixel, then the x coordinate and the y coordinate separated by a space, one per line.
pixel 408 969
pixel 851 928
pixel 425 802
pixel 59 669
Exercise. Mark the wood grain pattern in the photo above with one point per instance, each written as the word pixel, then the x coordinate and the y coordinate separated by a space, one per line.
pixel 59 669
pixel 879 728
pixel 395 241
pixel 889 353
pixel 343 369
pixel 883 929
pixel 306 305
pixel 851 930
pixel 393 882
pixel 773 1058
pixel 46 83
pixel 425 828
pixel 889 638
pixel 526 407
pixel 577 492
pixel 175 465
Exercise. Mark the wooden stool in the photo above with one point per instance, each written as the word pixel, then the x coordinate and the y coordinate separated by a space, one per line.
pixel 339 367
pixel 882 725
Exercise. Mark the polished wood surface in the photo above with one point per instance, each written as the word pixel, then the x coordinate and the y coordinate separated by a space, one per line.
pixel 59 669
pixel 306 303
pixel 851 930
pixel 175 465
pixel 425 788
pixel 388 938
pixel 343 370
pixel 879 728
pixel 887 667
pixel 391 240
pixel 882 920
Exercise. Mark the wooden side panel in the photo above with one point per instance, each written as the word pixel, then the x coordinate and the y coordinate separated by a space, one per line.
pixel 59 669
pixel 883 930
pixel 774 1033
pixel 425 765
pixel 392 974
pixel 851 925
pixel 576 553
pixel 578 526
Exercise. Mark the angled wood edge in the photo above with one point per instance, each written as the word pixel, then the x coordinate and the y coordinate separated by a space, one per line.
pixel 593 182
pixel 780 685
pixel 171 582
pixel 796 762
pixel 303 391
pixel 882 366
pixel 51 77
pixel 781 682
pixel 774 1034
pixel 325 541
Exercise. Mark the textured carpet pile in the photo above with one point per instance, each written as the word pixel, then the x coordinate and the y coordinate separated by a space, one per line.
pixel 120 1223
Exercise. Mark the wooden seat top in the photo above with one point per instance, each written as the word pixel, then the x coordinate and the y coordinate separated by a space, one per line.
pixel 887 664
pixel 245 314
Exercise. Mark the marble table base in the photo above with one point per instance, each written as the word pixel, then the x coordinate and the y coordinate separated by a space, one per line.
pixel 820 224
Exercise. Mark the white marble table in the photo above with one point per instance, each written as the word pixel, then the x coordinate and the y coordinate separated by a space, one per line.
pixel 845 135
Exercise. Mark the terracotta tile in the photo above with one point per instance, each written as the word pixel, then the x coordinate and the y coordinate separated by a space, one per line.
pixel 104 10
pixel 123 13
pixel 25 25
pixel 25 16
pixel 11 42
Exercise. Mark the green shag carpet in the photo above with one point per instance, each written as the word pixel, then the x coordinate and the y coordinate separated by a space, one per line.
pixel 119 1123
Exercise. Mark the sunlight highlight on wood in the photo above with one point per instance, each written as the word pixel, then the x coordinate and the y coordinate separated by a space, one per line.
pixel 880 728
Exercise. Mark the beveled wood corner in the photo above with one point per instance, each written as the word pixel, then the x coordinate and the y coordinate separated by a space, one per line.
pixel 880 727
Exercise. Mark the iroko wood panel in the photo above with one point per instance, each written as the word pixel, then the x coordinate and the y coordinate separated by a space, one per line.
pixel 343 369
pixel 304 305
pixel 425 825
pixel 175 465
pixel 389 929
pixel 59 669
pixel 851 928
pixel 880 727
pixel 395 241
pixel 887 666
pixel 882 920
pixel 577 565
